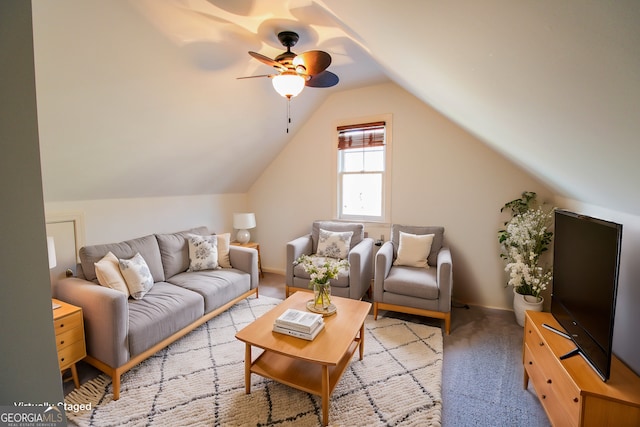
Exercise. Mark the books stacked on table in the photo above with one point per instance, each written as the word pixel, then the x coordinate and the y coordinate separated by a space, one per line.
pixel 300 324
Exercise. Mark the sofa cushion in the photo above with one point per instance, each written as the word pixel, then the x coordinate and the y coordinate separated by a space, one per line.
pixel 203 252
pixel 163 311
pixel 412 281
pixel 137 275
pixel 436 245
pixel 356 228
pixel 174 250
pixel 224 243
pixel 109 274
pixel 147 246
pixel 217 287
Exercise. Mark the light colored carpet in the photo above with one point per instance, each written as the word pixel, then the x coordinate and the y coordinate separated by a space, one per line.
pixel 199 380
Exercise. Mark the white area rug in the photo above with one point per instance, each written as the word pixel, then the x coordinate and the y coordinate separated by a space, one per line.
pixel 199 381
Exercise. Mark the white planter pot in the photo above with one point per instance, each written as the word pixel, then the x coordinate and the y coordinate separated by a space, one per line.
pixel 522 303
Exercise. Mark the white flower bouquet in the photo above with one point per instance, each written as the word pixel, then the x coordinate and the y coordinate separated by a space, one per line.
pixel 320 273
pixel 525 237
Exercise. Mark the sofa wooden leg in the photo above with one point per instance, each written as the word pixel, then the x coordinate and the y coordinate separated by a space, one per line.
pixel 375 311
pixel 115 383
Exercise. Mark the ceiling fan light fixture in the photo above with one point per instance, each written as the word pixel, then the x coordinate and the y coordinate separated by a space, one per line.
pixel 288 84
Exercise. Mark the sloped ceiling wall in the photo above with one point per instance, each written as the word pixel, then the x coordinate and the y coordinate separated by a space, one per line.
pixel 140 97
pixel 553 85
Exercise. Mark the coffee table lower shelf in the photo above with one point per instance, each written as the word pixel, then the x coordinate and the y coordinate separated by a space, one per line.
pixel 310 377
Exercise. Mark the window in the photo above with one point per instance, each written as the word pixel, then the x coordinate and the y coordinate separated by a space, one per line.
pixel 362 171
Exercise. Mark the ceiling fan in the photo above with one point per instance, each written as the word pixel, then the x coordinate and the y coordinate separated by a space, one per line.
pixel 297 71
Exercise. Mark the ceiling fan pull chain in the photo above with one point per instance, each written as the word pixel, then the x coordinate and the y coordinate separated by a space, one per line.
pixel 288 113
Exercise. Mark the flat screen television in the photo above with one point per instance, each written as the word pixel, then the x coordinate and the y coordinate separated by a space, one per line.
pixel 586 260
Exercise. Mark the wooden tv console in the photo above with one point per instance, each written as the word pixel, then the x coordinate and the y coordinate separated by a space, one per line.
pixel 571 393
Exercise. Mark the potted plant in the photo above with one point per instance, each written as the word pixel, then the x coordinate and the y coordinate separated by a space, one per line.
pixel 524 239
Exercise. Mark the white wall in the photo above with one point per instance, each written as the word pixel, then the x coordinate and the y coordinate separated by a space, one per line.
pixel 625 342
pixel 114 220
pixel 442 175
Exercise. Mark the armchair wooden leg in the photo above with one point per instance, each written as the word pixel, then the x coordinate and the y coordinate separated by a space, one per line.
pixel 375 311
pixel 447 323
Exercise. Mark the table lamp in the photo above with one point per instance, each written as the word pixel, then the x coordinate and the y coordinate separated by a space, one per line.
pixel 242 222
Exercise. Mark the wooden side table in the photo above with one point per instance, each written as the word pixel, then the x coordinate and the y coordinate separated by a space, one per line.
pixel 69 329
pixel 252 245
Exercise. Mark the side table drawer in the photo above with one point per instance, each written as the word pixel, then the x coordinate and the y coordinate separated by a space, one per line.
pixel 69 337
pixel 71 354
pixel 74 320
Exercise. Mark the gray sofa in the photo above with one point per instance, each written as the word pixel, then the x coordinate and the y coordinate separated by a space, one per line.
pixel 121 332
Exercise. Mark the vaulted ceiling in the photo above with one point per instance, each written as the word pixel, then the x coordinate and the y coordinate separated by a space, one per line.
pixel 140 98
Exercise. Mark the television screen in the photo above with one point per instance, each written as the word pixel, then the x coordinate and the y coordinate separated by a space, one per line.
pixel 586 258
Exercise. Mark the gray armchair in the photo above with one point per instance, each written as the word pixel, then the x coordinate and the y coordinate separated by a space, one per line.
pixel 353 283
pixel 414 290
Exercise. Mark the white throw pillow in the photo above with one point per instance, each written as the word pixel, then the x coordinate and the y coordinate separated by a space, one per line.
pixel 109 275
pixel 137 275
pixel 334 244
pixel 414 249
pixel 203 252
pixel 223 250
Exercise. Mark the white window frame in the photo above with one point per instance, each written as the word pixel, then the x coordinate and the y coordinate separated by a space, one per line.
pixel 386 174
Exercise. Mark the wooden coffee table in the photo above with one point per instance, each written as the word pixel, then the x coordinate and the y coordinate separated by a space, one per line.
pixel 311 366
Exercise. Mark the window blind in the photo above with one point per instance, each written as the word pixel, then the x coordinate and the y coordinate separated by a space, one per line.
pixel 361 135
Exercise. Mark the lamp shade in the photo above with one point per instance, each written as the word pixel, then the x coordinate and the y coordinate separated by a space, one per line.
pixel 288 84
pixel 51 250
pixel 244 221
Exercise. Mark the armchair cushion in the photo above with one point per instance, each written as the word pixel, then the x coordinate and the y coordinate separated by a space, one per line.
pixel 357 229
pixel 412 281
pixel 414 249
pixel 334 244
pixel 438 238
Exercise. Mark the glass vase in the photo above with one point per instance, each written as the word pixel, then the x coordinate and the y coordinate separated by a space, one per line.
pixel 321 296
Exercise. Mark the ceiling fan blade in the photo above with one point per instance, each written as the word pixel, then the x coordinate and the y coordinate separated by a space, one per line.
pixel 324 79
pixel 315 61
pixel 253 77
pixel 267 60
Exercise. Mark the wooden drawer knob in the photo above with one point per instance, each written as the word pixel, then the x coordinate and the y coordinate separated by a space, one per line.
pixel 62 325
pixel 541 343
pixel 575 399
pixel 549 381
